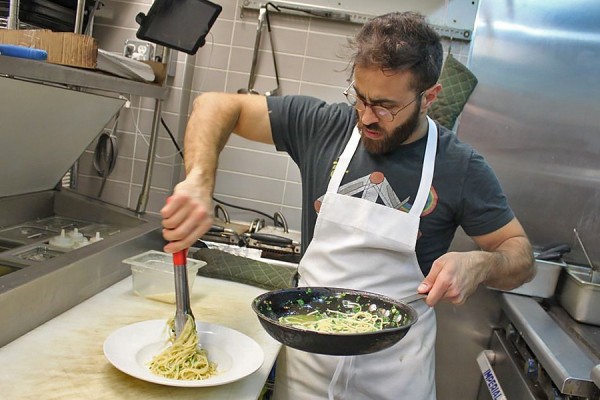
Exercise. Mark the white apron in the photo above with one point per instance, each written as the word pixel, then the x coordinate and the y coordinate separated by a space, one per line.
pixel 362 245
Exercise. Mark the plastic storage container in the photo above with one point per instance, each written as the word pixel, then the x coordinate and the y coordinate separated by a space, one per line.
pixel 153 277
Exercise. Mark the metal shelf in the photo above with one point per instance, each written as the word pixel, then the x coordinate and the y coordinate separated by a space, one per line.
pixel 78 77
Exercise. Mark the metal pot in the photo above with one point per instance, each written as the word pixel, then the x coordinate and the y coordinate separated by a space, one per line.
pixel 271 306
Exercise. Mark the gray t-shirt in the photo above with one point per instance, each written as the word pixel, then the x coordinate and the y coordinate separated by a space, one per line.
pixel 465 191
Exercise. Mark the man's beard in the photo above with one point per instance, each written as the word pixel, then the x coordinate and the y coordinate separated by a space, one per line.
pixel 390 142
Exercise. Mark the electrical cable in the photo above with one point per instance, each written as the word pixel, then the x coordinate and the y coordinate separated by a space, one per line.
pixel 105 154
pixel 164 124
pixel 272 218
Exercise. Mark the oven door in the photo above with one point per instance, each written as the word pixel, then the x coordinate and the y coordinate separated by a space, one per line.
pixel 502 371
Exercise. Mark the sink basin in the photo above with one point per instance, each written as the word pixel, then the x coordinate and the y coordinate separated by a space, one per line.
pixel 7 269
pixel 9 244
pixel 578 295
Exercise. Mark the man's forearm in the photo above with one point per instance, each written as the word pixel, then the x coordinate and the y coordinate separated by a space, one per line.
pixel 510 265
pixel 209 127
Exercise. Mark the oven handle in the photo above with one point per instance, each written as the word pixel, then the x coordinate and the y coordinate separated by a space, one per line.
pixel 484 360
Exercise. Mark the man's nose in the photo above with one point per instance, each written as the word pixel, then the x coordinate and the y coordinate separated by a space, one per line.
pixel 368 117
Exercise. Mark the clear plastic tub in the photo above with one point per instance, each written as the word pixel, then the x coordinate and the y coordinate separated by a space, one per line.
pixel 153 277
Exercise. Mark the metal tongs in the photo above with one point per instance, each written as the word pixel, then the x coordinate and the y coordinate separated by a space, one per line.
pixel 182 292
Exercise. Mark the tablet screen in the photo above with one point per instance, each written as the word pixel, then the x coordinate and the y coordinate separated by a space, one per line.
pixel 179 24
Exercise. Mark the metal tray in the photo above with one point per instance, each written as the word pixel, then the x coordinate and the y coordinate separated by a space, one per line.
pixel 544 283
pixel 579 296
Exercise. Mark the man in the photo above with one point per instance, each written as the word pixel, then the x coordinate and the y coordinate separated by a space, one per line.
pixel 384 189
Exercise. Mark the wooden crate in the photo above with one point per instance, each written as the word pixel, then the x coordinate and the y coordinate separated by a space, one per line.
pixel 65 48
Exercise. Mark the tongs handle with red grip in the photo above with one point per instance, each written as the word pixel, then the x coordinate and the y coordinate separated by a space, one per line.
pixel 180 257
pixel 182 295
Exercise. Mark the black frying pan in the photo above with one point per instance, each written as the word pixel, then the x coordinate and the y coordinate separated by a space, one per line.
pixel 270 306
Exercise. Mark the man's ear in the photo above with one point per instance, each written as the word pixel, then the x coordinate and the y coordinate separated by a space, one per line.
pixel 431 95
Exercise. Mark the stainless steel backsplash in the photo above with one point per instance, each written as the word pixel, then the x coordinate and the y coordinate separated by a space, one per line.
pixel 535 114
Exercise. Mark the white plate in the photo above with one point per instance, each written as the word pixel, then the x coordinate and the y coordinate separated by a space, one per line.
pixel 131 348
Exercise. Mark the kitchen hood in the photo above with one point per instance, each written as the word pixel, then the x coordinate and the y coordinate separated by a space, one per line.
pixel 44 130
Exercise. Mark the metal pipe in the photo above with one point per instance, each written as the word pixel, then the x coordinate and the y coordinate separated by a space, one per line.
pixel 145 193
pixel 79 16
pixel 13 14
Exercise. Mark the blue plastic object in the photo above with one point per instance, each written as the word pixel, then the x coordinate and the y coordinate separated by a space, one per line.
pixel 23 52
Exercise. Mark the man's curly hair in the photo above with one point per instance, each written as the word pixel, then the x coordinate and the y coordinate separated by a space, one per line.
pixel 397 42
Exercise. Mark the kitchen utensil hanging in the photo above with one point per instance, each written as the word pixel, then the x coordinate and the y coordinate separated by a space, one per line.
pixel 594 270
pixel 263 15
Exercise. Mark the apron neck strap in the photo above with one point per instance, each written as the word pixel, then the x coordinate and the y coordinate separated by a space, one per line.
pixel 427 173
pixel 428 167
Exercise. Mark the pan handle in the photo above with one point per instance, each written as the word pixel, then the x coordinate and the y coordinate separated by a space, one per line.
pixel 412 298
pixel 271 239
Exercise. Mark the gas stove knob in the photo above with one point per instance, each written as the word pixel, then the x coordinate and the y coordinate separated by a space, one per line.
pixel 511 333
pixel 531 369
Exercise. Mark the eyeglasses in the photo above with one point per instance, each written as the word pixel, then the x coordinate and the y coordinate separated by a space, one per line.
pixel 382 113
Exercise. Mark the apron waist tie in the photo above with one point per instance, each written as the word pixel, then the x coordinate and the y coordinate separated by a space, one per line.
pixel 345 366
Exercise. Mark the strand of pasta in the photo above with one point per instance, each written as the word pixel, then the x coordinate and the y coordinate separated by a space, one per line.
pixel 183 360
pixel 332 321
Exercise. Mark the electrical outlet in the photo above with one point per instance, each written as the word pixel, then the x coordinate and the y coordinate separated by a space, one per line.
pixel 139 50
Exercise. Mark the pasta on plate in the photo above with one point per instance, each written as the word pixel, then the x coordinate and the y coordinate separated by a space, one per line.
pixel 183 360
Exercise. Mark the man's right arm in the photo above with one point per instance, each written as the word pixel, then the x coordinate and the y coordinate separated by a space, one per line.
pixel 188 214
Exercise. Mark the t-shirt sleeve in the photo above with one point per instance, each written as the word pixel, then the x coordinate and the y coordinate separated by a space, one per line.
pixel 298 122
pixel 485 206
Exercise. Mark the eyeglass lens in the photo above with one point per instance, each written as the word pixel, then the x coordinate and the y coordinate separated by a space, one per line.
pixel 381 112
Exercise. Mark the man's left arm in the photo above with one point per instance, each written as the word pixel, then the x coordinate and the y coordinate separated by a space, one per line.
pixel 505 261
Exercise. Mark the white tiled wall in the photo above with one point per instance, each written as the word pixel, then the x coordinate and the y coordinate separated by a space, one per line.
pixel 311 58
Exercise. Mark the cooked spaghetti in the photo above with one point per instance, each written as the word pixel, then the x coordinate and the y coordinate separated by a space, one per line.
pixel 182 359
pixel 332 321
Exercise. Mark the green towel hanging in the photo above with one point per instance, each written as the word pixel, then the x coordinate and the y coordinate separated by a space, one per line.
pixel 222 265
pixel 458 82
